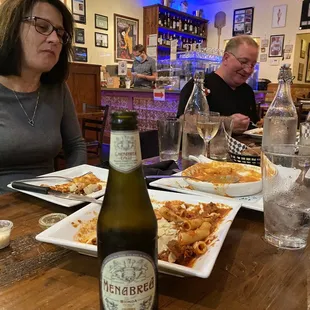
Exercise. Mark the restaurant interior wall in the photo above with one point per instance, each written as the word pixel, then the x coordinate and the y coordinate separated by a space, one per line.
pixel 262 27
pixel 301 61
pixel 105 56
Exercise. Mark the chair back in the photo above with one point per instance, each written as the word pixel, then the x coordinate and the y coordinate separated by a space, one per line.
pixel 149 143
pixel 94 124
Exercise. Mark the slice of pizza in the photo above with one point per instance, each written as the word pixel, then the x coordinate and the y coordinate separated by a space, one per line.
pixel 83 185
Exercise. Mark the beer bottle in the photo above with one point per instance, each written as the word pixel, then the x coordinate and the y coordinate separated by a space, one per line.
pixel 127 226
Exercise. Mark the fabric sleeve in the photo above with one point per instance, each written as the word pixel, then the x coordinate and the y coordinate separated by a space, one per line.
pixel 72 142
pixel 184 96
pixel 153 67
pixel 253 110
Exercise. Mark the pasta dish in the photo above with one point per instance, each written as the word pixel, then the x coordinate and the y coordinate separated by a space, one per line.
pixel 222 172
pixel 184 230
pixel 83 185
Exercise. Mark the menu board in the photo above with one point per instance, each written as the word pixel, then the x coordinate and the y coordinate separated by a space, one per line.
pixel 243 21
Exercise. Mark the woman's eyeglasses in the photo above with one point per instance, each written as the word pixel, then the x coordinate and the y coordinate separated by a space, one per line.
pixel 46 28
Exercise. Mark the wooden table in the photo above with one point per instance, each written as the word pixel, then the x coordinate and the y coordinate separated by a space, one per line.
pixel 249 274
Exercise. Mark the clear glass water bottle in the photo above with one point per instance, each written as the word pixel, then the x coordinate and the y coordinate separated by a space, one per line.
pixel 192 143
pixel 280 121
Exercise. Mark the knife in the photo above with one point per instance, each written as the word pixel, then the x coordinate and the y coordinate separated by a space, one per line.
pixel 48 191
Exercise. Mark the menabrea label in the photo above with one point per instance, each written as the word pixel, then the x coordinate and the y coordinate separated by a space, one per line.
pixel 128 281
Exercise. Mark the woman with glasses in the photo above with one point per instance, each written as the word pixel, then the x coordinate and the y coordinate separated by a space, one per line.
pixel 229 93
pixel 37 114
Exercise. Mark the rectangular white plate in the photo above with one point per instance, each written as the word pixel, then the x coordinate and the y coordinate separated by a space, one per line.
pixel 254 133
pixel 62 233
pixel 100 173
pixel 179 185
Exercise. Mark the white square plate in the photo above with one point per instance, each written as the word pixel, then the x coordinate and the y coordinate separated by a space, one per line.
pixel 100 173
pixel 62 233
pixel 179 185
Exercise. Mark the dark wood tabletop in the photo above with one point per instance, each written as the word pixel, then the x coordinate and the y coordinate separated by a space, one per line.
pixel 248 273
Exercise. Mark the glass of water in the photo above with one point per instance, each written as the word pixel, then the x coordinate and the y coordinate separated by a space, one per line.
pixel 286 193
pixel 169 138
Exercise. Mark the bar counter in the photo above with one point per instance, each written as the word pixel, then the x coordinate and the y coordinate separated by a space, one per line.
pixel 142 101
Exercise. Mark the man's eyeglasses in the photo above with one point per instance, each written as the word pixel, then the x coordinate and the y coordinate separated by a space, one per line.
pixel 243 62
pixel 46 28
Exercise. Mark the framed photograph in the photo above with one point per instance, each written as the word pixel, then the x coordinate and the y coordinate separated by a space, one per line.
pixel 79 35
pixel 265 43
pixel 300 71
pixel 263 58
pixel 276 45
pixel 303 48
pixel 307 75
pixel 279 16
pixel 80 54
pixel 288 48
pixel 101 22
pixel 305 15
pixel 243 21
pixel 101 40
pixel 79 11
pixel 126 36
pixel 263 50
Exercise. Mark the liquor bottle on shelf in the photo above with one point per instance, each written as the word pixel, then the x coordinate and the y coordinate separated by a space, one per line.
pixel 160 23
pixel 167 39
pixel 201 30
pixel 160 39
pixel 127 226
pixel 192 143
pixel 180 24
pixel 168 20
pixel 165 20
pixel 280 121
pixel 174 23
pixel 185 25
pixel 177 23
pixel 195 28
pixel 190 26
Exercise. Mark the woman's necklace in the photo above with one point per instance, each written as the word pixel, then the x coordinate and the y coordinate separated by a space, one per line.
pixel 30 120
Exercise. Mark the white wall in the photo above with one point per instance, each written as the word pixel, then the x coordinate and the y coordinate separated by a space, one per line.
pixel 261 26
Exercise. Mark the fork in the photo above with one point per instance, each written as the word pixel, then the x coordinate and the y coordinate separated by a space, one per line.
pixel 53 176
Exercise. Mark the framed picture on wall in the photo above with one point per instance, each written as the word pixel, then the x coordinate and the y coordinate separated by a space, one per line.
pixel 305 15
pixel 243 21
pixel 79 35
pixel 101 22
pixel 80 54
pixel 307 75
pixel 279 16
pixel 276 45
pixel 303 47
pixel 79 11
pixel 300 71
pixel 126 36
pixel 101 40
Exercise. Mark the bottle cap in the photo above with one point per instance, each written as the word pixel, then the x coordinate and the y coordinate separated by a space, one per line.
pixel 49 220
pixel 285 73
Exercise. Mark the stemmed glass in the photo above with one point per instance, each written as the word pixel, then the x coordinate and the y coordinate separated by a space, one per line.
pixel 208 124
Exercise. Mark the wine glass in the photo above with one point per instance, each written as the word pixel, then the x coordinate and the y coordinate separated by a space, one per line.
pixel 208 124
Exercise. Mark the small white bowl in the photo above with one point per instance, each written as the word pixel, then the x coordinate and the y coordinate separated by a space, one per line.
pixel 5 233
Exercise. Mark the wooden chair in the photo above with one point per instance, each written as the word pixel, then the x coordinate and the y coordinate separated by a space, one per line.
pixel 304 107
pixel 93 129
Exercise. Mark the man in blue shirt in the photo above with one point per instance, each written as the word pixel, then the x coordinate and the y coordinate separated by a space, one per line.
pixel 143 69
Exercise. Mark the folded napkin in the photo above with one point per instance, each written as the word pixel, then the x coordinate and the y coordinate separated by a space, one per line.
pixel 161 168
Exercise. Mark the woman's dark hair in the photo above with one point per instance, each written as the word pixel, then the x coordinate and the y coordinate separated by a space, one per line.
pixel 12 13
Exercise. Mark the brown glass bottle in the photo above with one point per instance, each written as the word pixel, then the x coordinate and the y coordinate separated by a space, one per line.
pixel 127 226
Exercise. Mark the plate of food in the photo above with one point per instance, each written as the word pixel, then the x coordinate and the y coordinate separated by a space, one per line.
pixel 86 180
pixel 256 133
pixel 224 178
pixel 187 248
